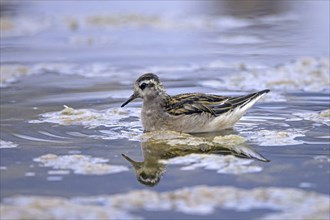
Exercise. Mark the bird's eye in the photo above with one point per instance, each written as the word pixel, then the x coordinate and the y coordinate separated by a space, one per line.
pixel 143 86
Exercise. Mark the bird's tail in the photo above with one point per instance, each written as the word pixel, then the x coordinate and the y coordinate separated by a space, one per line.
pixel 240 103
pixel 252 98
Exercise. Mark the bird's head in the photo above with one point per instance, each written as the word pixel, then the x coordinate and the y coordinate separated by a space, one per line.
pixel 146 86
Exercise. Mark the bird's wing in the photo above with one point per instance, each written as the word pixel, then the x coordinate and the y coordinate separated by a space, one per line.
pixel 232 103
pixel 192 103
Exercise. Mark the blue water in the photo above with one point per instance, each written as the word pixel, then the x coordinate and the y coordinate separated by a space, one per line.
pixel 111 43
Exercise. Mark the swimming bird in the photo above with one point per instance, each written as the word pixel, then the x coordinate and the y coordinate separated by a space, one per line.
pixel 189 112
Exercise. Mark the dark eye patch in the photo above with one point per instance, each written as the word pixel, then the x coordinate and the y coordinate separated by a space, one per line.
pixel 143 86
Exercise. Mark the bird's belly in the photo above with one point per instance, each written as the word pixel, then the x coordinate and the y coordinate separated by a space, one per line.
pixel 153 120
pixel 197 123
pixel 200 124
pixel 212 124
pixel 194 123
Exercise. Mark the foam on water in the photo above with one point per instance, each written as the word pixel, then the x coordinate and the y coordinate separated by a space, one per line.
pixel 222 164
pixel 275 137
pixel 7 144
pixel 114 119
pixel 321 117
pixel 305 74
pixel 11 73
pixel 199 200
pixel 119 127
pixel 79 164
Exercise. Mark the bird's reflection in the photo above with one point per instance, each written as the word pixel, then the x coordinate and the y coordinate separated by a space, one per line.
pixel 166 145
pixel 242 8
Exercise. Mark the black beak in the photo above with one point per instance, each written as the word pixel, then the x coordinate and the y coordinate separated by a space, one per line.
pixel 131 98
pixel 135 164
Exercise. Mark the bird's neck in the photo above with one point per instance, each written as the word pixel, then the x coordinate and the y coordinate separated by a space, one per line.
pixel 157 101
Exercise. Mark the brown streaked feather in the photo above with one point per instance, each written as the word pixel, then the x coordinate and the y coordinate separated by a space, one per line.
pixel 196 103
pixel 187 109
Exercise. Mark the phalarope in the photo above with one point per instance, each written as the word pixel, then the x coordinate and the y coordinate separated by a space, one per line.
pixel 190 112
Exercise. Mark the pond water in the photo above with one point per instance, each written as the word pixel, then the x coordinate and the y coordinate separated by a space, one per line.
pixel 68 151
